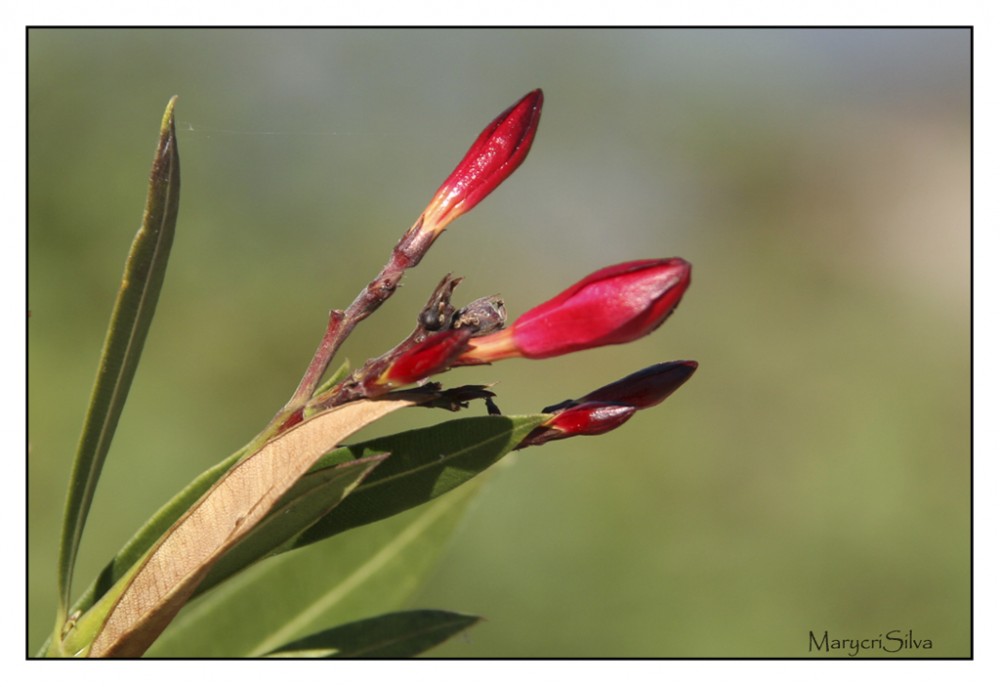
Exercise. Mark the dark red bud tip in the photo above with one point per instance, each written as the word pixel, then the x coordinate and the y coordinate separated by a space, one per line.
pixel 617 304
pixel 434 354
pixel 586 419
pixel 499 150
pixel 647 387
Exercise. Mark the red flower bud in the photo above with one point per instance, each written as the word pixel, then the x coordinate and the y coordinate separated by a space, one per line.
pixel 586 419
pixel 614 305
pixel 610 406
pixel 434 354
pixel 647 387
pixel 499 150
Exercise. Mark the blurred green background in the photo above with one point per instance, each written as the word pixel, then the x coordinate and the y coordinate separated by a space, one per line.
pixel 814 475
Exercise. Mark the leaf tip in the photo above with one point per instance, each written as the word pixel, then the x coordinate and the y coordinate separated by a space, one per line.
pixel 168 116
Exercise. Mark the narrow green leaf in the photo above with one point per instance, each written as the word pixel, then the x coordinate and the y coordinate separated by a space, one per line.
pixel 489 439
pixel 361 573
pixel 338 376
pixel 394 635
pixel 425 463
pixel 130 321
pixel 428 454
pixel 316 494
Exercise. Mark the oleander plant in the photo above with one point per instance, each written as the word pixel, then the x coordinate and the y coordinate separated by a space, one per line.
pixel 252 520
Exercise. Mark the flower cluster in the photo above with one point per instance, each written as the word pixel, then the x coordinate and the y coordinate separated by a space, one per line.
pixel 614 305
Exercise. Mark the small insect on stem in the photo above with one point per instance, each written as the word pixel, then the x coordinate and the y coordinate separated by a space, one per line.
pixel 434 319
pixel 483 315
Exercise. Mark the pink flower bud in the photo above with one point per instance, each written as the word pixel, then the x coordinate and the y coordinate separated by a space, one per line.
pixel 499 150
pixel 586 419
pixel 434 354
pixel 614 305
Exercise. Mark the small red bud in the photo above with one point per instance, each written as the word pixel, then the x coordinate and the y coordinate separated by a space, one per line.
pixel 617 304
pixel 499 150
pixel 586 419
pixel 609 407
pixel 434 354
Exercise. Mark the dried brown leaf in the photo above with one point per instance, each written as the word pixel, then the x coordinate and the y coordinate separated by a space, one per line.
pixel 168 576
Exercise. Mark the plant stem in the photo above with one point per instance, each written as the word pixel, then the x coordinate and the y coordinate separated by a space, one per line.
pixel 407 253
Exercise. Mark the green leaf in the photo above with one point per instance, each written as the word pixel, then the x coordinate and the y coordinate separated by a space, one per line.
pixel 394 635
pixel 358 574
pixel 425 453
pixel 466 446
pixel 317 493
pixel 425 463
pixel 338 376
pixel 130 321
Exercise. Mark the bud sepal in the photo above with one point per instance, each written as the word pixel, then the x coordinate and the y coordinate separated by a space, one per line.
pixel 433 355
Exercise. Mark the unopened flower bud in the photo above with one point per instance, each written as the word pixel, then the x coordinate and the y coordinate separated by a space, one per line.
pixel 607 408
pixel 614 305
pixel 499 150
pixel 434 354
pixel 586 419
